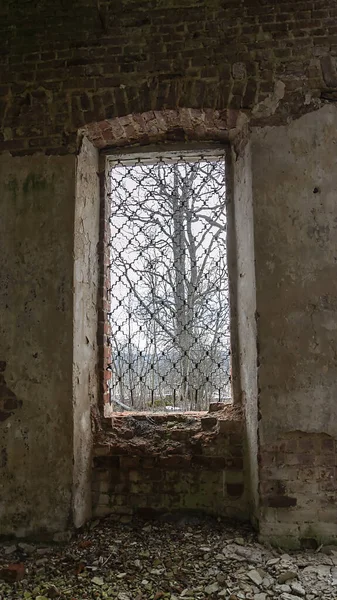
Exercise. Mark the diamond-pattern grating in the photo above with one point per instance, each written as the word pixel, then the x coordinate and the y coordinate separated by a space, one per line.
pixel 169 301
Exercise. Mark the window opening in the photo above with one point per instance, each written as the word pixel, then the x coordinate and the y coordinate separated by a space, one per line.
pixel 168 296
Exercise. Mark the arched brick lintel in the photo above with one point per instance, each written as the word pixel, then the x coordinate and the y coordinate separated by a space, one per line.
pixel 182 124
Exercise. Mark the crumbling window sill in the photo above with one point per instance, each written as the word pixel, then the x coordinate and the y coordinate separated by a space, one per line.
pixel 187 434
pixel 170 461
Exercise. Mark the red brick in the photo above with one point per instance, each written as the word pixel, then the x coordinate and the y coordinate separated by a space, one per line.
pixel 175 462
pixel 306 459
pixel 281 501
pixel 154 474
pixel 13 572
pixel 328 445
pixel 129 462
pixel 208 423
pixel 235 490
pixel 234 463
pixel 306 445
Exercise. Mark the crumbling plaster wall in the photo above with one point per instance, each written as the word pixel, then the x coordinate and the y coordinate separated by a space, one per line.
pixel 295 219
pixel 242 255
pixel 36 249
pixel 67 65
pixel 48 345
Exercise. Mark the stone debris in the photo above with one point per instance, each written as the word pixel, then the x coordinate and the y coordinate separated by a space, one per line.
pixel 211 589
pixel 286 576
pixel 255 577
pixel 297 589
pixel 199 559
pixel 9 549
pixel 27 548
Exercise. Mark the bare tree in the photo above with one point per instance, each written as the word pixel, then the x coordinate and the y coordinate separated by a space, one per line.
pixel 168 250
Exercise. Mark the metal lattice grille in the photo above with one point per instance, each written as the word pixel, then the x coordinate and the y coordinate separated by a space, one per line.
pixel 170 342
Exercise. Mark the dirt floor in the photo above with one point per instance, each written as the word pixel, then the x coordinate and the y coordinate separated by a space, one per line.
pixel 185 557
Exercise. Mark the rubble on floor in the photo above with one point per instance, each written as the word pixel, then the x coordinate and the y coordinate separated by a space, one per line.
pixel 185 558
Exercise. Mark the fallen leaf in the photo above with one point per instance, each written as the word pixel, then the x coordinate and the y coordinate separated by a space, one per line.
pixel 80 567
pixel 98 580
pixel 85 544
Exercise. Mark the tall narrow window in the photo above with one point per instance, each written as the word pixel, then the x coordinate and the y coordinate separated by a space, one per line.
pixel 169 301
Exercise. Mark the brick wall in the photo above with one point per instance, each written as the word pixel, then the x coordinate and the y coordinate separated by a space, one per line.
pixel 70 64
pixel 169 462
pixel 298 488
pixel 294 295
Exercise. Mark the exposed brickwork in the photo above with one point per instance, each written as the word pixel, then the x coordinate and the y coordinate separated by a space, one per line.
pixel 169 462
pixel 104 330
pixel 76 63
pixel 298 485
pixel 179 125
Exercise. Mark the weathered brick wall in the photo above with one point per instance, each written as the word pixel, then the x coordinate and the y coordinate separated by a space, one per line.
pixel 68 64
pixel 294 191
pixel 298 489
pixel 169 462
